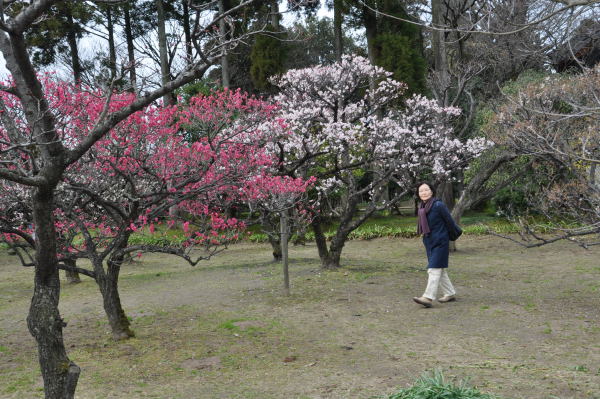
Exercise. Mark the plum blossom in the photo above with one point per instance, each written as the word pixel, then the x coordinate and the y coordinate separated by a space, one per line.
pixel 356 133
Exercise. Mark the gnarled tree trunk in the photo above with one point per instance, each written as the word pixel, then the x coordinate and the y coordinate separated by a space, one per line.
pixel 276 246
pixel 72 276
pixel 44 322
pixel 109 288
pixel 320 240
pixel 330 257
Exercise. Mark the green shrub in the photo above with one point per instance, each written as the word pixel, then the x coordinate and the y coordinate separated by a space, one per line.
pixel 434 386
pixel 369 232
pixel 511 199
pixel 405 227
pixel 258 238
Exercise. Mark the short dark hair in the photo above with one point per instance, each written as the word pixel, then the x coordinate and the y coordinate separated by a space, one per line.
pixel 431 187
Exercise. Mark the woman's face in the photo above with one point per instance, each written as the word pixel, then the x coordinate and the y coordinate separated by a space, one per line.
pixel 425 192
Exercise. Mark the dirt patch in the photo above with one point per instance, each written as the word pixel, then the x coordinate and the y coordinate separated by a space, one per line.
pixel 525 325
pixel 199 364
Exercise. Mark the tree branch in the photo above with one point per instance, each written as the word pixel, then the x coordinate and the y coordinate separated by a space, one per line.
pixel 76 269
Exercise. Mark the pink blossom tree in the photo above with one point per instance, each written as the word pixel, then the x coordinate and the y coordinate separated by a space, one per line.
pixel 37 157
pixel 127 182
pixel 355 138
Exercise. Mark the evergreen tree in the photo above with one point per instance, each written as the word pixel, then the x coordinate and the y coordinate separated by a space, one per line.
pixel 392 44
pixel 399 47
pixel 268 52
pixel 58 33
pixel 314 43
pixel 266 59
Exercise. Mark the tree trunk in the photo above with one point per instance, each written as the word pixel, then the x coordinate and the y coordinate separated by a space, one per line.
pixel 439 51
pixel 187 32
pixel 459 210
pixel 112 52
pixel 119 324
pixel 320 239
pixel 337 29
pixel 284 252
pixel 108 283
pixel 44 322
pixel 276 246
pixel 130 49
pixel 168 98
pixel 332 260
pixel 445 192
pixel 370 23
pixel 476 192
pixel 75 63
pixel 274 14
pixel 165 72
pixel 225 72
pixel 72 276
pixel 330 257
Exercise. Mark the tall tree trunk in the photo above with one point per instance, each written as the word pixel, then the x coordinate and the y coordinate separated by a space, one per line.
pixel 112 51
pixel 165 72
pixel 515 44
pixel 109 288
pixel 72 276
pixel 187 32
pixel 439 52
pixel 337 29
pixel 370 24
pixel 445 192
pixel 44 322
pixel 274 14
pixel 225 72
pixel 75 62
pixel 130 49
pixel 284 252
pixel 320 240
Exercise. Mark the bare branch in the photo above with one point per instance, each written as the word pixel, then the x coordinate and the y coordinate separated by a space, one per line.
pixel 76 269
pixel 568 5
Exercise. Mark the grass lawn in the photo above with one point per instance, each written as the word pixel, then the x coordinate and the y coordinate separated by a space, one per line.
pixel 525 325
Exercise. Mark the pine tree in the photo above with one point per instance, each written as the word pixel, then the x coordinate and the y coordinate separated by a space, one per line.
pixel 266 59
pixel 268 52
pixel 399 47
pixel 57 35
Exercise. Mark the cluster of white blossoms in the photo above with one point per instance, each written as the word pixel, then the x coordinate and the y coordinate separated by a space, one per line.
pixel 347 116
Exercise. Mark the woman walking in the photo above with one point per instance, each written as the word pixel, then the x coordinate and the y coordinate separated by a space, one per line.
pixel 436 225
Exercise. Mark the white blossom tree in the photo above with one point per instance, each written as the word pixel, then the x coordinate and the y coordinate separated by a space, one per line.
pixel 357 137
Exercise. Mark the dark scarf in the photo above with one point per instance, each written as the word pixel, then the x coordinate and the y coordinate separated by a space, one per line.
pixel 422 211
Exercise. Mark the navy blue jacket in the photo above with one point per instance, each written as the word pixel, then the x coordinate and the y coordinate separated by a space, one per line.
pixel 437 241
